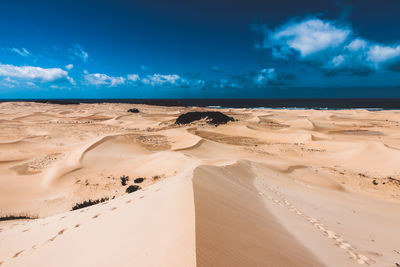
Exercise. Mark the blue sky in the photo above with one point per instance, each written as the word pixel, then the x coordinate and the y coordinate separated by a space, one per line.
pixel 189 49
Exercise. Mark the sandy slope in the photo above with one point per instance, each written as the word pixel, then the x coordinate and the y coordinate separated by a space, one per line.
pixel 275 188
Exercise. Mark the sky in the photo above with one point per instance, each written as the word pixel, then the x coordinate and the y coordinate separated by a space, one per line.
pixel 199 49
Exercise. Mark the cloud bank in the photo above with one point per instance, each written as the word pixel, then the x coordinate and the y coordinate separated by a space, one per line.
pixel 98 79
pixel 34 73
pixel 165 81
pixel 332 46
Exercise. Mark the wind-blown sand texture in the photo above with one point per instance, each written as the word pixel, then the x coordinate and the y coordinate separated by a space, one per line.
pixel 273 188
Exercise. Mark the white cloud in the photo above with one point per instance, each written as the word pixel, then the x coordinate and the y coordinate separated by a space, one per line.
pixel 31 84
pixel 164 81
pixel 160 80
pixel 330 46
pixel 133 77
pixel 8 82
pixel 171 80
pixel 356 45
pixel 308 37
pixel 34 73
pixel 224 83
pixel 103 79
pixel 78 51
pixel 265 76
pixel 69 66
pixel 22 52
pixel 380 55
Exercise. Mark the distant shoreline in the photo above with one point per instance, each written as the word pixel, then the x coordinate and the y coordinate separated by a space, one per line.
pixel 289 103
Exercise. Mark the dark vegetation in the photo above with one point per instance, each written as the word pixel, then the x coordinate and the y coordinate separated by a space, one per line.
pixel 132 188
pixel 124 179
pixel 156 177
pixel 393 180
pixel 133 110
pixel 9 217
pixel 212 117
pixel 138 180
pixel 88 203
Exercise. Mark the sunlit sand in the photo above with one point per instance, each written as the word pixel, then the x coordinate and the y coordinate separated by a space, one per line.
pixel 272 188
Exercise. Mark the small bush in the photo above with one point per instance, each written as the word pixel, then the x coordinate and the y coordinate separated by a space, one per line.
pixel 132 188
pixel 124 179
pixel 133 110
pixel 138 180
pixel 88 203
pixel 9 217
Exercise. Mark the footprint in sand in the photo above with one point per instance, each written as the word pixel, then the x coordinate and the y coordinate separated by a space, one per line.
pixel 58 234
pixel 96 216
pixel 63 217
pixel 284 202
pixel 61 231
pixel 18 253
pixel 113 208
pixel 141 197
pixel 77 225
pixel 26 230
pixel 128 201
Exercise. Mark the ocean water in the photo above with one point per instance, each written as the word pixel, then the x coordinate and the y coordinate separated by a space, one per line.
pixel 290 103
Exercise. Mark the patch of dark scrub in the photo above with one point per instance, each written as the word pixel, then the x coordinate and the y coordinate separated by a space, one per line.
pixel 133 110
pixel 212 117
pixel 9 217
pixel 138 180
pixel 132 188
pixel 124 179
pixel 88 203
pixel 393 180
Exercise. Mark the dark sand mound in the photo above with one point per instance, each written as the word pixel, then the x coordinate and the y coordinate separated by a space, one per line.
pixel 212 117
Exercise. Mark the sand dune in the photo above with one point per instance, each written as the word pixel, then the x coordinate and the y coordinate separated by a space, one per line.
pixel 274 188
pixel 233 228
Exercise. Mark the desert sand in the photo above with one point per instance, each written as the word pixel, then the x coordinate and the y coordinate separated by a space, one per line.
pixel 273 188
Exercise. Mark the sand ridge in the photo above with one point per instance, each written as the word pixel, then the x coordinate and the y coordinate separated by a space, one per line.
pixel 273 188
